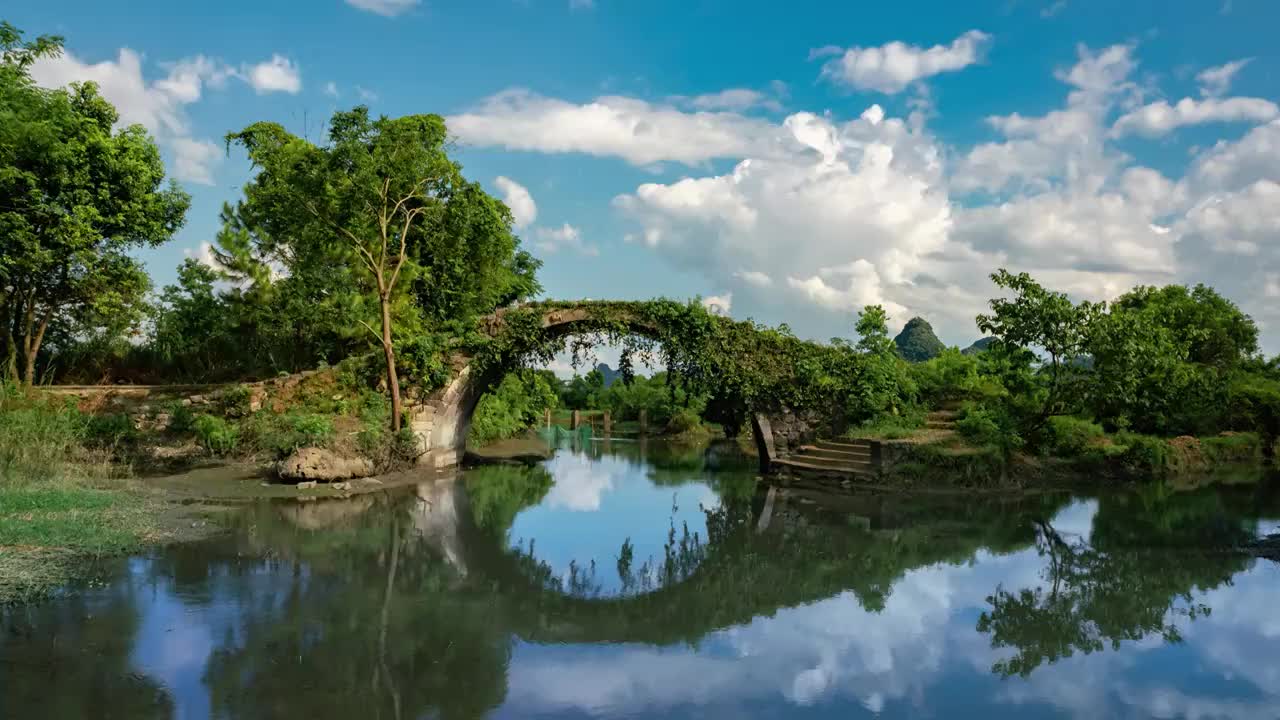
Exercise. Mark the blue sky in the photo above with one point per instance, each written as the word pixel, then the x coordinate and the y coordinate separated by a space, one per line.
pixel 792 161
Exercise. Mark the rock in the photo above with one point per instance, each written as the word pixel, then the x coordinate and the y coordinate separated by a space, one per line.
pixel 343 486
pixel 307 485
pixel 324 465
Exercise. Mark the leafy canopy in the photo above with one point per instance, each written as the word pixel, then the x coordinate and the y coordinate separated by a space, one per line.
pixel 79 195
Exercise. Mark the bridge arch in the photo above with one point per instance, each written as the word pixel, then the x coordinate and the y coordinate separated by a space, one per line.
pixel 442 419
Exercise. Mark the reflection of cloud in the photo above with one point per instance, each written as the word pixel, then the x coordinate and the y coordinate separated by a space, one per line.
pixel 920 649
pixel 580 482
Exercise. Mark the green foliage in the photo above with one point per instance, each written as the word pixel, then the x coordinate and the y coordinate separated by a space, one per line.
pixel 79 196
pixel 1163 359
pixel 951 375
pixel 1143 455
pixel 110 430
pixel 216 434
pixel 515 405
pixel 280 435
pixel 891 427
pixel 1037 318
pixel 917 341
pixel 181 418
pixel 1067 436
pixel 989 426
pixel 1253 403
pixel 36 439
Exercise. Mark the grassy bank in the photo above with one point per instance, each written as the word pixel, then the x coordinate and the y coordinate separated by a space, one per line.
pixel 64 502
pixel 974 451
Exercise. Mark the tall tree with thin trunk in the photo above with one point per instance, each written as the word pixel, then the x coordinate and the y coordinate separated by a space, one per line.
pixel 78 195
pixel 365 194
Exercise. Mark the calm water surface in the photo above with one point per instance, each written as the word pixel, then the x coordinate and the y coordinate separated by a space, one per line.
pixel 630 581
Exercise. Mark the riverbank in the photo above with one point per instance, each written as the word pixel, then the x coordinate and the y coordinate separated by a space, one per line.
pixel 1078 454
pixel 54 530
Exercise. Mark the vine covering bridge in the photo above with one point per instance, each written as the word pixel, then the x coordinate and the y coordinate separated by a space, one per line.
pixel 756 376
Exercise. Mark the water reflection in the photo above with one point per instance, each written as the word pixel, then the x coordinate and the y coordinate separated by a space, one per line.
pixel 674 585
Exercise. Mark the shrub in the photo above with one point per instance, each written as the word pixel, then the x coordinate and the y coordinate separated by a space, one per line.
pixel 235 401
pixel 1232 447
pixel 1070 436
pixel 109 430
pixel 386 449
pixel 36 439
pixel 215 434
pixel 983 425
pixel 978 424
pixel 280 435
pixel 683 421
pixel 951 375
pixel 181 418
pixel 1143 454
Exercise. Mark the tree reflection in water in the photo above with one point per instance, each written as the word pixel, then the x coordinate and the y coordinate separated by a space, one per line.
pixel 1149 554
pixel 408 604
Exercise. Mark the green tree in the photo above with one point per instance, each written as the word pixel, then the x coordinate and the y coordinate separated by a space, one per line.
pixel 917 341
pixel 1039 319
pixel 873 331
pixel 1163 359
pixel 79 195
pixel 369 191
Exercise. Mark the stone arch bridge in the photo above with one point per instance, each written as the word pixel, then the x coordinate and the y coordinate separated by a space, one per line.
pixel 441 419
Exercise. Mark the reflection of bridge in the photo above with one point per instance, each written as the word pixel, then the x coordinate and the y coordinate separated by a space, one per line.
pixel 442 419
pixel 807 553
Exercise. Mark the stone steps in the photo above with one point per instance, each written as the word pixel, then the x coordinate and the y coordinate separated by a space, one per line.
pixel 809 465
pixel 832 454
pixel 844 445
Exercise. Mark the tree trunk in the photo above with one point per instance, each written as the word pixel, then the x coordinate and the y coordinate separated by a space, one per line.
pixel 33 348
pixel 393 383
pixel 10 345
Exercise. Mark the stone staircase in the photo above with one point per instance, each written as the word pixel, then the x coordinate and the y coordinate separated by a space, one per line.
pixel 834 458
pixel 941 420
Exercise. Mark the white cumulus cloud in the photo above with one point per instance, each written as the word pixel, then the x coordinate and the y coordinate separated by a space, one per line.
pixel 638 131
pixel 1160 118
pixel 890 68
pixel 1217 80
pixel 279 74
pixel 565 237
pixel 523 209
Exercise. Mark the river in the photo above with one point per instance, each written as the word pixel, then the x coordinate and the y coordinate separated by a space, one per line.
pixel 634 580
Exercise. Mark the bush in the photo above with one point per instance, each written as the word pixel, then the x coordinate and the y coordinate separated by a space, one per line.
pixel 891 427
pixel 181 418
pixel 280 435
pixel 683 421
pixel 978 425
pixel 1143 454
pixel 387 450
pixel 983 425
pixel 950 376
pixel 109 431
pixel 215 434
pixel 1067 436
pixel 235 401
pixel 36 439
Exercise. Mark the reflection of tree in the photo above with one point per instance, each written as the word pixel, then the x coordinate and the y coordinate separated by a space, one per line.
pixel 1124 583
pixel 71 659
pixel 382 633
pixel 497 493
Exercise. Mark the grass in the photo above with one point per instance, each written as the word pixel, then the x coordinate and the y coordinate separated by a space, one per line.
pixel 62 501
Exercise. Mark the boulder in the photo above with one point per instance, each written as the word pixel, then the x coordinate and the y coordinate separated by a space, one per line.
pixel 323 465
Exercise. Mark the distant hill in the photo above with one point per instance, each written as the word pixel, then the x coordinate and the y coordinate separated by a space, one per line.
pixel 609 374
pixel 978 346
pixel 917 341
